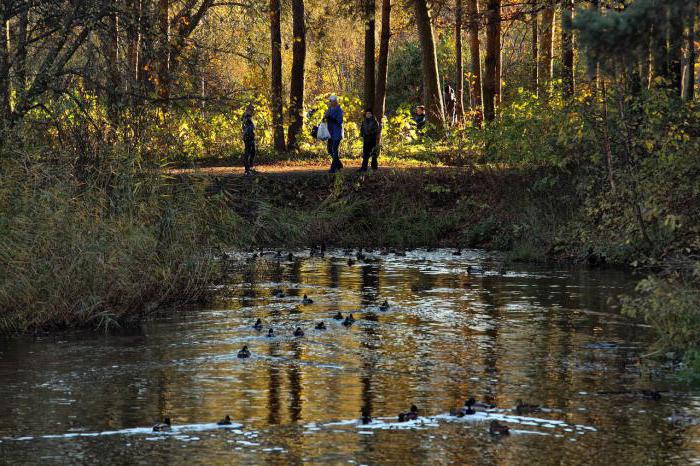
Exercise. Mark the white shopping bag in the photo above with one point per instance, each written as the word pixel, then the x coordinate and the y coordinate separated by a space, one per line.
pixel 323 133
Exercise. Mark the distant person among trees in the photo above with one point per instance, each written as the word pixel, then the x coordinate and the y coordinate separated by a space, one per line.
pixel 248 139
pixel 369 130
pixel 419 118
pixel 450 105
pixel 334 120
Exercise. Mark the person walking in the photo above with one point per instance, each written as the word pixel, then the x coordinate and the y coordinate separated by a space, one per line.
pixel 334 121
pixel 369 130
pixel 450 105
pixel 248 126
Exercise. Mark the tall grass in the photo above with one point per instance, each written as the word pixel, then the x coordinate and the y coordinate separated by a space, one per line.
pixel 104 248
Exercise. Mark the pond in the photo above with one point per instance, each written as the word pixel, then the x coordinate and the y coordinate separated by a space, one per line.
pixel 457 326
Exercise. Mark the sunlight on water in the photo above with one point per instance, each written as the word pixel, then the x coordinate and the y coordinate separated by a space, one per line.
pixel 456 326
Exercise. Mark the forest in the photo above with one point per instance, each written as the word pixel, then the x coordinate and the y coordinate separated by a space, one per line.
pixel 574 136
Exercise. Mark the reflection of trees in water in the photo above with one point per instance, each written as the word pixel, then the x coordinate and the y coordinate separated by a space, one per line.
pixel 369 284
pixel 274 386
pixel 295 386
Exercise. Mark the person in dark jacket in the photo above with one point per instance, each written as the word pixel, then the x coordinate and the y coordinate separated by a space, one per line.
pixel 334 119
pixel 248 139
pixel 419 117
pixel 369 130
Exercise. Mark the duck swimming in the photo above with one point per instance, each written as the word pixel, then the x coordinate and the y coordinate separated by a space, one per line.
pixel 496 428
pixel 351 262
pixel 338 316
pixel 226 421
pixel 298 332
pixel 320 326
pixel 307 300
pixel 258 325
pixel 278 294
pixel 471 270
pixel 349 320
pixel 525 408
pixel 384 306
pixel 412 415
pixel 466 410
pixel 270 333
pixel 458 252
pixel 164 426
pixel 366 417
pixel 244 352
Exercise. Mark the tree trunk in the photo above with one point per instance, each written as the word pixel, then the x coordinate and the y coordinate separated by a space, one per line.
pixel 383 64
pixel 591 64
pixel 535 49
pixel 459 71
pixel 546 50
pixel 164 53
pixel 567 49
pixel 493 57
pixel 475 52
pixel 5 109
pixel 276 81
pixel 296 88
pixel 133 33
pixel 689 87
pixel 21 53
pixel 111 57
pixel 431 76
pixel 370 8
pixel 675 46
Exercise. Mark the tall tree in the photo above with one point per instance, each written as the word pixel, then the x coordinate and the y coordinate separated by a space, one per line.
pixel 370 8
pixel 431 75
pixel 591 62
pixel 296 88
pixel 676 14
pixel 383 63
pixel 534 28
pixel 567 48
pixel 492 78
pixel 4 64
pixel 689 86
pixel 475 53
pixel 164 52
pixel 276 78
pixel 459 69
pixel 546 72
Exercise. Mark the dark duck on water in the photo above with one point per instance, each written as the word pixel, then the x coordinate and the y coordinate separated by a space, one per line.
pixel 164 426
pixel 411 415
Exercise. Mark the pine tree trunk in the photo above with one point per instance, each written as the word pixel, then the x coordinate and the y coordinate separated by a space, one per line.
pixel 475 52
pixel 164 53
pixel 459 68
pixel 296 92
pixel 431 76
pixel 546 71
pixel 276 78
pixel 534 28
pixel 567 49
pixel 675 46
pixel 383 63
pixel 493 57
pixel 370 8
pixel 689 88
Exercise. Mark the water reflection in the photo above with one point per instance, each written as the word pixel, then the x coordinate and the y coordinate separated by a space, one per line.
pixel 547 336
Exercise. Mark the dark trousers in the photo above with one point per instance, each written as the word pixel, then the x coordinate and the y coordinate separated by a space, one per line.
pixel 248 154
pixel 369 149
pixel 333 146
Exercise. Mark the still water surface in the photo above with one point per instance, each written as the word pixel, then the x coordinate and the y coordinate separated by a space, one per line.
pixel 544 335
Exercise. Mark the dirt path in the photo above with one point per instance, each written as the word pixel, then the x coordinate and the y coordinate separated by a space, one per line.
pixel 290 168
